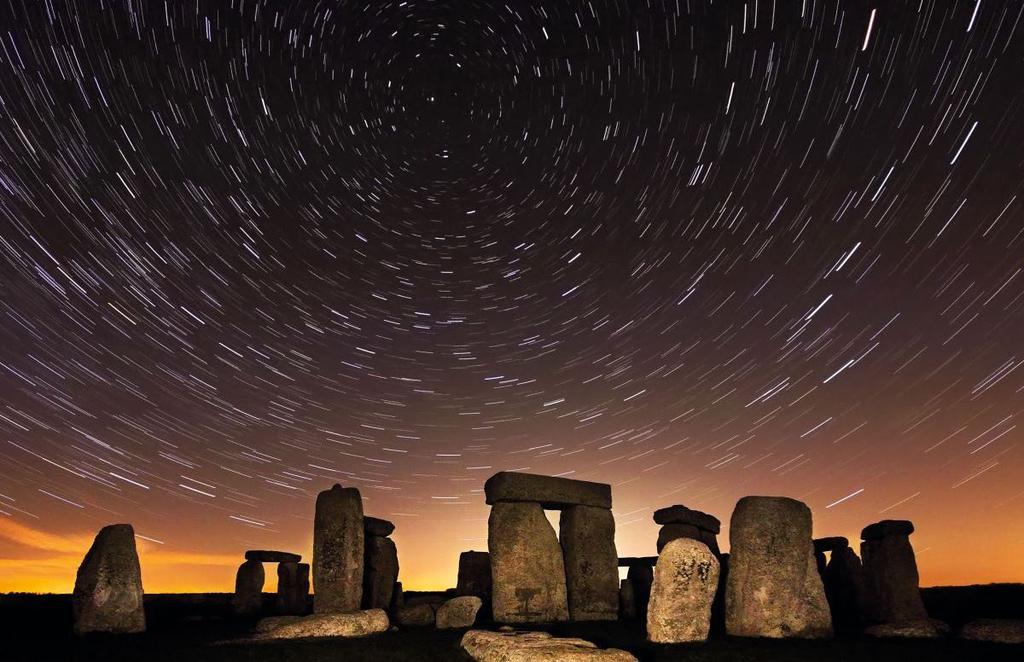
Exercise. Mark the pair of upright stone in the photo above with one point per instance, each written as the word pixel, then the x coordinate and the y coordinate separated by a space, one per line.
pixel 292 583
pixel 538 576
pixel 843 577
pixel 380 563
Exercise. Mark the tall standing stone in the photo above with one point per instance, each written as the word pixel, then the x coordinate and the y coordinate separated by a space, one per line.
pixel 108 587
pixel 685 583
pixel 528 576
pixel 292 588
pixel 844 588
pixel 642 577
pixel 587 537
pixel 380 572
pixel 627 600
pixel 891 580
pixel 773 588
pixel 474 575
pixel 338 551
pixel 248 598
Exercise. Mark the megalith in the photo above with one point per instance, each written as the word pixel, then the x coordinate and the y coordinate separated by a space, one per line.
pixel 292 588
pixel 474 575
pixel 587 537
pixel 108 588
pixel 338 551
pixel 380 572
pixel 891 582
pixel 685 583
pixel 248 597
pixel 844 588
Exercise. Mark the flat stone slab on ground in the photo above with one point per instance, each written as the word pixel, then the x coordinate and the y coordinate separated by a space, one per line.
pixel 553 493
pixel 999 630
pixel 682 515
pixel 928 628
pixel 887 527
pixel 376 526
pixel 270 556
pixel 458 612
pixel 485 646
pixel 351 624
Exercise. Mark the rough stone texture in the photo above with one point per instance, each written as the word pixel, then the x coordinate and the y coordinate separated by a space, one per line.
pixel 338 551
pixel 673 531
pixel 248 597
pixel 484 646
pixel 887 527
pixel 587 537
pixel 774 589
pixel 526 565
pixel 830 544
pixel 685 583
pixel 270 556
pixel 415 615
pixel 375 526
pixel 919 629
pixel 352 624
pixel 844 588
pixel 642 577
pixel 292 588
pixel 551 492
pixel 108 588
pixel 458 612
pixel 380 572
pixel 474 575
pixel 999 630
pixel 627 600
pixel 682 515
pixel 892 593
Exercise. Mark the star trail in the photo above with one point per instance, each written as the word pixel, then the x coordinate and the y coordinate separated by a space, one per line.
pixel 696 249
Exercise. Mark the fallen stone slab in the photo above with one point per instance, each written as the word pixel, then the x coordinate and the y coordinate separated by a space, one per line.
pixel 631 561
pixel 458 612
pixel 270 556
pixel 352 624
pixel 927 628
pixel 997 630
pixel 517 646
pixel 418 615
pixel 682 515
pixel 887 527
pixel 376 526
pixel 830 544
pixel 553 493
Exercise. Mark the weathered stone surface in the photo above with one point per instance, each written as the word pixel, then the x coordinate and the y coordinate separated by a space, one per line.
pixel 292 588
pixel 630 561
pixel 352 624
pixel 999 630
pixel 587 537
pixel 248 597
pixel 551 492
pixel 421 614
pixel 920 629
pixel 682 515
pixel 891 589
pixel 685 583
pixel 774 589
pixel 831 544
pixel 484 646
pixel 380 572
pixel 338 551
pixel 844 588
pixel 642 577
pixel 458 612
pixel 108 587
pixel 270 556
pixel 887 527
pixel 526 565
pixel 627 600
pixel 375 526
pixel 474 575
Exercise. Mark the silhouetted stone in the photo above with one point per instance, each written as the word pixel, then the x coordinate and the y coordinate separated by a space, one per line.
pixel 642 577
pixel 292 588
pixel 351 624
pixel 673 531
pixel 999 630
pixel 551 492
pixel 685 583
pixel 774 589
pixel 397 598
pixel 630 561
pixel 627 600
pixel 338 551
pixel 474 575
pixel 526 565
pixel 380 572
pixel 891 582
pixel 458 612
pixel 587 537
pixel 830 544
pixel 248 598
pixel 844 588
pixel 682 515
pixel 923 628
pixel 269 556
pixel 108 587
pixel 375 526
pixel 484 646
pixel 418 615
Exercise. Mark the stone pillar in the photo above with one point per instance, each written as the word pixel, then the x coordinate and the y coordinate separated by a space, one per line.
pixel 685 583
pixel 474 575
pixel 338 551
pixel 587 537
pixel 380 572
pixel 292 588
pixel 108 587
pixel 890 573
pixel 528 575
pixel 844 588
pixel 627 600
pixel 774 589
pixel 642 577
pixel 248 598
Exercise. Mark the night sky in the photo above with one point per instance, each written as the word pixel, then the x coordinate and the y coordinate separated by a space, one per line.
pixel 698 250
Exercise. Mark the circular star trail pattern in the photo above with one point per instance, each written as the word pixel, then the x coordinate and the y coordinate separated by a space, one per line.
pixel 697 250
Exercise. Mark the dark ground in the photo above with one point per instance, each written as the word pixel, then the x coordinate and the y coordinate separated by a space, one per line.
pixel 190 628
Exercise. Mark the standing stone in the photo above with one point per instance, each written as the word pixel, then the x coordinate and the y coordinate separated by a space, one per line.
pixel 474 575
pixel 248 598
pixel 685 583
pixel 108 587
pixel 844 588
pixel 627 600
pixel 292 588
pixel 381 572
pixel 338 551
pixel 397 598
pixel 587 537
pixel 526 565
pixel 890 573
pixel 774 589
pixel 642 577
pixel 458 612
